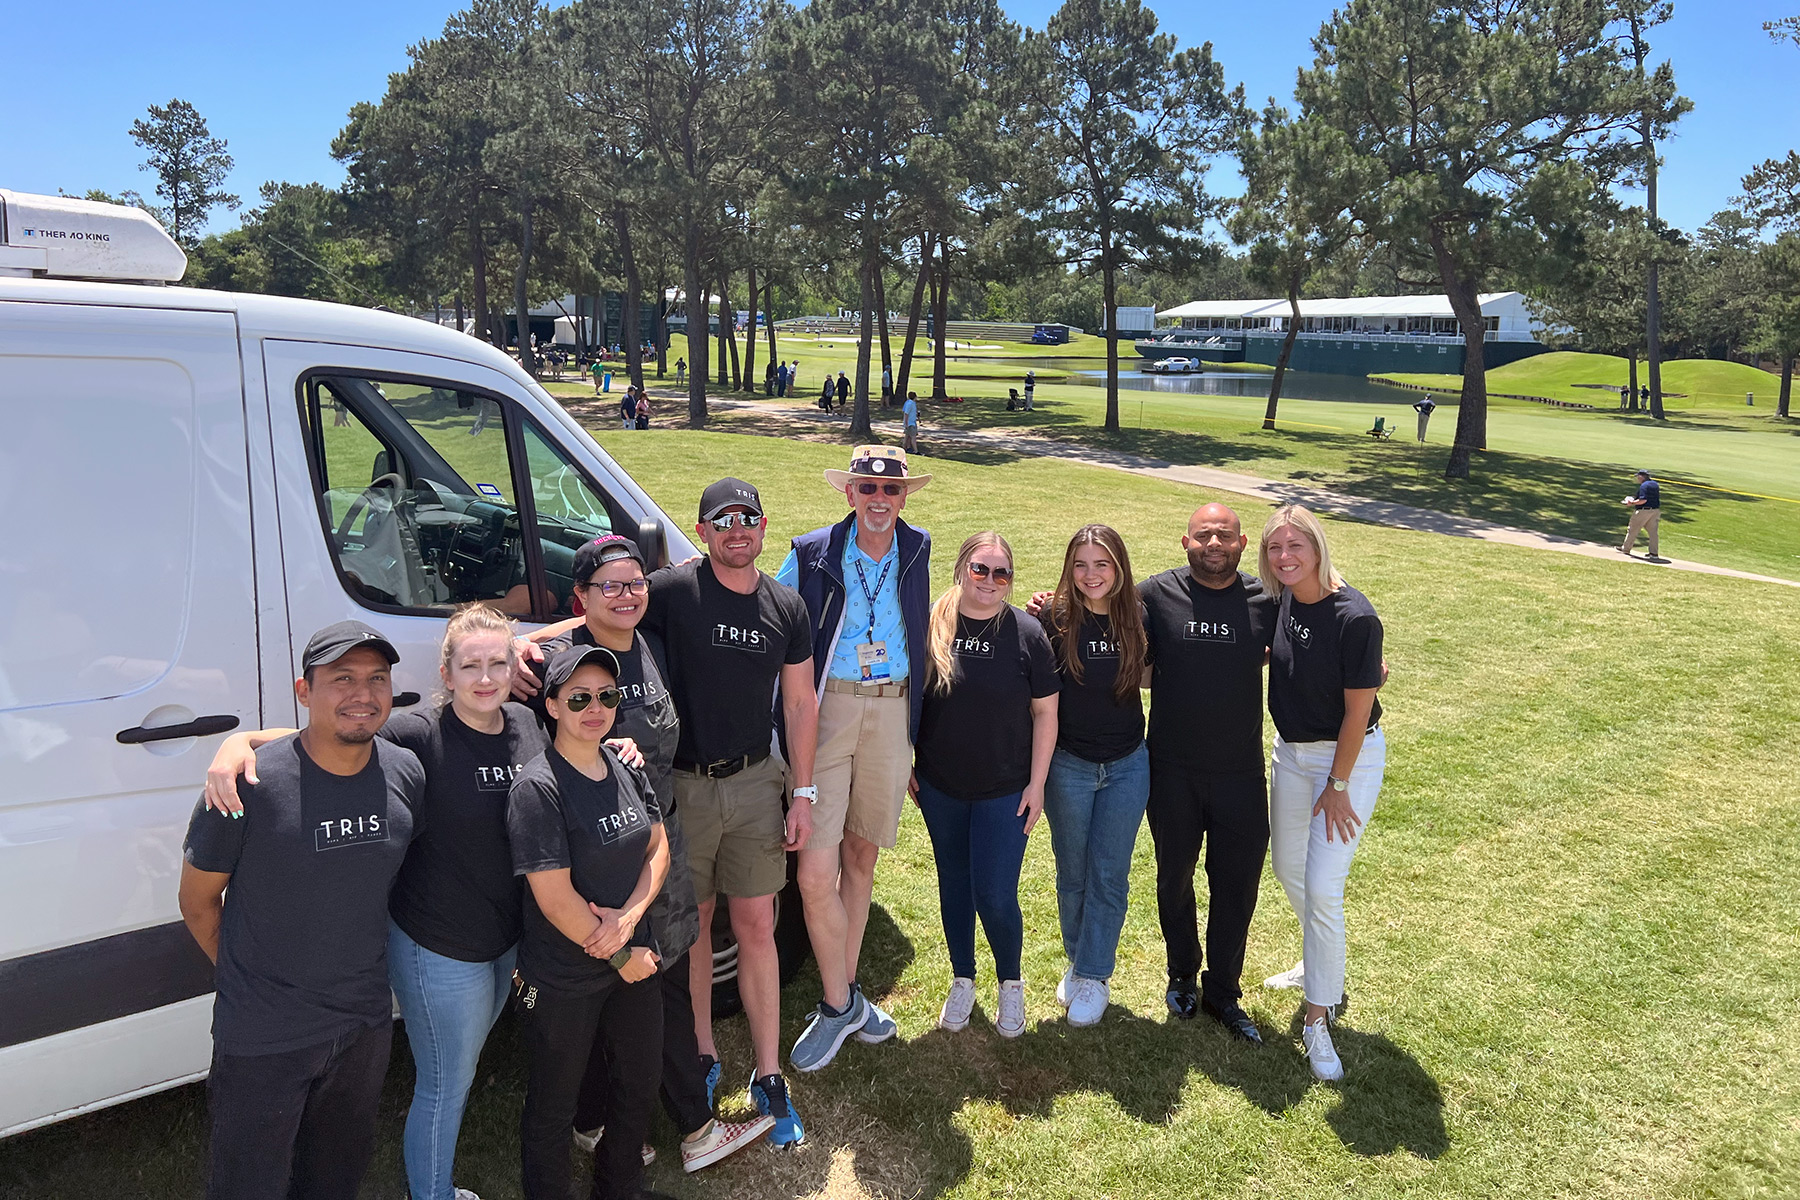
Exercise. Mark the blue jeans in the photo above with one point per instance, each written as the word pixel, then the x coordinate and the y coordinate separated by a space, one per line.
pixel 979 846
pixel 449 1006
pixel 1094 810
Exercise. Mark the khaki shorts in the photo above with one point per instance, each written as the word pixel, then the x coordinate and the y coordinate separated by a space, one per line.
pixel 864 759
pixel 735 828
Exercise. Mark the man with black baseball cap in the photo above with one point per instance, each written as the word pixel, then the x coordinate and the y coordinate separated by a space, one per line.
pixel 733 635
pixel 301 1022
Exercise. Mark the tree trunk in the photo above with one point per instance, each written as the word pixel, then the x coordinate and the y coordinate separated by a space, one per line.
pixel 1631 403
pixel 527 359
pixel 859 415
pixel 459 311
pixel 1287 350
pixel 1109 319
pixel 728 326
pixel 696 327
pixel 904 377
pixel 662 324
pixel 1652 302
pixel 940 316
pixel 629 334
pixel 769 308
pixel 1471 415
pixel 881 330
pixel 478 264
pixel 1787 382
pixel 724 332
pixel 750 384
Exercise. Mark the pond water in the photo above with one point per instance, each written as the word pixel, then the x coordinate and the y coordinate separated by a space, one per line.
pixel 1296 385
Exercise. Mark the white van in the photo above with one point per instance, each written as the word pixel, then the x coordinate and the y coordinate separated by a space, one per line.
pixel 197 481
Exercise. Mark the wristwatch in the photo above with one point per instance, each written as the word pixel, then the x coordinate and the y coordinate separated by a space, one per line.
pixel 621 960
pixel 809 793
pixel 1338 785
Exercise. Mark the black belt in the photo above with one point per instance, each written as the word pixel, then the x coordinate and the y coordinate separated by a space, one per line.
pixel 724 768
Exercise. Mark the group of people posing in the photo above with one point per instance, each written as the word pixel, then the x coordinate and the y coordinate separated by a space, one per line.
pixel 558 828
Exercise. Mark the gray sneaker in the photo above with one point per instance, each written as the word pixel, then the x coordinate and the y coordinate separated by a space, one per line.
pixel 879 1027
pixel 825 1034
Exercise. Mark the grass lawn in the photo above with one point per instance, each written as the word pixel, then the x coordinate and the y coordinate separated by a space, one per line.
pixel 1553 470
pixel 1572 947
pixel 1703 384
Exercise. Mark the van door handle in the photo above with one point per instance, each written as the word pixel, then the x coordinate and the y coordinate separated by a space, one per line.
pixel 406 699
pixel 198 727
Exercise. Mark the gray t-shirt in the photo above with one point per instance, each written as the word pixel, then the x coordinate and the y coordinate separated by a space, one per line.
pixel 303 943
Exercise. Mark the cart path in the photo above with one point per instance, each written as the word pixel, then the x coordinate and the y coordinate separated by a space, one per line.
pixel 1270 491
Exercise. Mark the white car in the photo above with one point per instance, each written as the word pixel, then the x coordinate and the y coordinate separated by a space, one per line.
pixel 199 480
pixel 1173 366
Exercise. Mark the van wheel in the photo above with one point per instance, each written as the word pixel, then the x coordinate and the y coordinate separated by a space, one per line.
pixel 792 946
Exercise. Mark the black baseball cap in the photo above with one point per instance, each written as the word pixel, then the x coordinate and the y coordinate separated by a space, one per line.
pixel 729 493
pixel 602 550
pixel 334 641
pixel 566 662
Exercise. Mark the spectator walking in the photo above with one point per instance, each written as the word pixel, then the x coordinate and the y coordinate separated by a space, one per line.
pixel 827 394
pixel 1424 408
pixel 910 411
pixel 681 370
pixel 843 390
pixel 866 584
pixel 1646 514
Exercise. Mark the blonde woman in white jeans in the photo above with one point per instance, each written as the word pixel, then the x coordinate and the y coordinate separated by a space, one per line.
pixel 1324 670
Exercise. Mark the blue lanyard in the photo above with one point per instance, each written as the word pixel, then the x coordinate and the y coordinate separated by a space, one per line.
pixel 863 581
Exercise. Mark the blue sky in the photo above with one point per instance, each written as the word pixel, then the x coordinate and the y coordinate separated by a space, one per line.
pixel 276 81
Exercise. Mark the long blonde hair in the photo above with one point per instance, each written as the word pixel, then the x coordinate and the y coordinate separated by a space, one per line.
pixel 942 631
pixel 466 621
pixel 1069 607
pixel 1300 518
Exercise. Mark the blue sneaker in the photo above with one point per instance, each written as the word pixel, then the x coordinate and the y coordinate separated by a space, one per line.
pixel 771 1096
pixel 826 1032
pixel 715 1070
pixel 879 1027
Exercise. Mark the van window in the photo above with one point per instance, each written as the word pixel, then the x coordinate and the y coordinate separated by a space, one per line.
pixel 422 511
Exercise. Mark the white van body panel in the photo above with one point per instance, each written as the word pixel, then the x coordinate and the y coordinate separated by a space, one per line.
pixel 168 562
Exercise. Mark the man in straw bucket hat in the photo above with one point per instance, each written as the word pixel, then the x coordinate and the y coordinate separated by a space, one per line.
pixel 867 589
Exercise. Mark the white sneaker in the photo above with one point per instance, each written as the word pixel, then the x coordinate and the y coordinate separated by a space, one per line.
pixel 1009 1022
pixel 721 1140
pixel 958 1005
pixel 1090 1001
pixel 1065 991
pixel 1293 977
pixel 585 1141
pixel 466 1194
pixel 1323 1056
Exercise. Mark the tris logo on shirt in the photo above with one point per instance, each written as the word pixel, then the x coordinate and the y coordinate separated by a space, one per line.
pixel 733 638
pixel 1101 648
pixel 972 647
pixel 496 779
pixel 617 825
pixel 1209 631
pixel 349 831
pixel 1299 632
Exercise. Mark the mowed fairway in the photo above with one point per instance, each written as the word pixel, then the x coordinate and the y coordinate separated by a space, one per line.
pixel 1573 954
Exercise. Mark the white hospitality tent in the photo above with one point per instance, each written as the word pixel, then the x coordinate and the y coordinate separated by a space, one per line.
pixel 1507 317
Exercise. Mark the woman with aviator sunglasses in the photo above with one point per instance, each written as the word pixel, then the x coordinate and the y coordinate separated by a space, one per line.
pixel 587 836
pixel 986 737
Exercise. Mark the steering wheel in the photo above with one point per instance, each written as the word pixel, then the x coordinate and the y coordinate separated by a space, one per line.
pixel 391 479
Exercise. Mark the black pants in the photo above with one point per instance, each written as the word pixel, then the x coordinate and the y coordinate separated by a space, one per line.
pixel 620 1029
pixel 683 1082
pixel 299 1125
pixel 1229 813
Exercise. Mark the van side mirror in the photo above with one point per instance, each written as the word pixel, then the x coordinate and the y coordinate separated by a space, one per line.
pixel 383 466
pixel 652 544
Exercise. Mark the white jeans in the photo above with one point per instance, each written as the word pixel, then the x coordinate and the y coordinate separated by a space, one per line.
pixel 1311 869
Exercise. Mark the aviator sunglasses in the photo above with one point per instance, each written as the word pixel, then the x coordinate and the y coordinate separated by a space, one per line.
pixel 725 521
pixel 982 571
pixel 608 697
pixel 886 489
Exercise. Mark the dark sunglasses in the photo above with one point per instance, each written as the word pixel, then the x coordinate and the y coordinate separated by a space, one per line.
pixel 725 521
pixel 982 571
pixel 611 588
pixel 608 697
pixel 886 489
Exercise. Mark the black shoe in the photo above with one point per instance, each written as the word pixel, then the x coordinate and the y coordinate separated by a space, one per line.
pixel 1182 998
pixel 1234 1019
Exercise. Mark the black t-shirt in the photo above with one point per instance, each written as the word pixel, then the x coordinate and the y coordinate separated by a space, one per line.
pixel 975 742
pixel 303 941
pixel 1321 649
pixel 725 652
pixel 1206 653
pixel 645 713
pixel 1091 722
pixel 599 830
pixel 456 894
